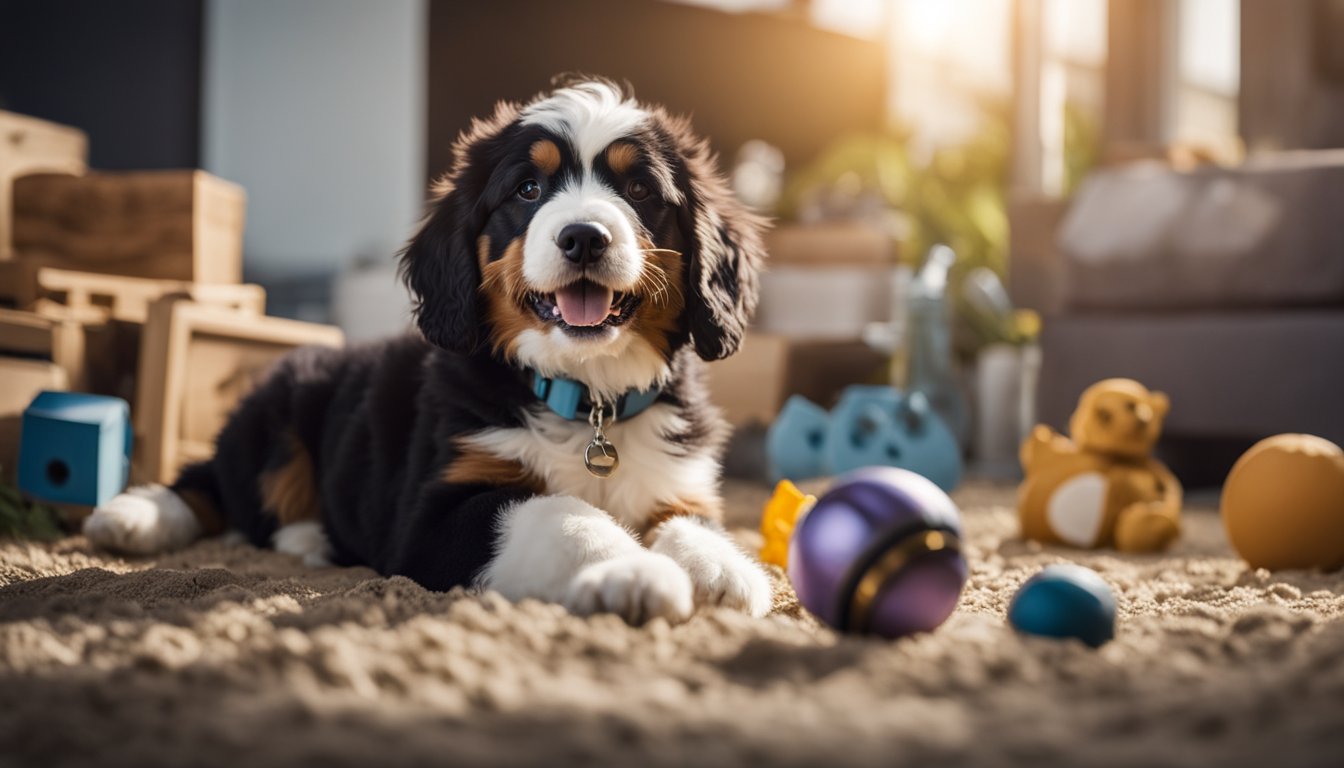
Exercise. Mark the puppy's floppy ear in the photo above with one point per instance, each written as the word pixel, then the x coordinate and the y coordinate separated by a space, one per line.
pixel 441 272
pixel 724 250
pixel 439 265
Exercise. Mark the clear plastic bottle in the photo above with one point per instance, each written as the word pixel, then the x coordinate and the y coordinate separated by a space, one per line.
pixel 928 341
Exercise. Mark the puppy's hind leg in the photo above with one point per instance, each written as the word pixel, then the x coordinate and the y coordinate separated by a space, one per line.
pixel 289 492
pixel 306 540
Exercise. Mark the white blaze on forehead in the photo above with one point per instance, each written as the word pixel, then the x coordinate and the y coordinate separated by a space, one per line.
pixel 591 115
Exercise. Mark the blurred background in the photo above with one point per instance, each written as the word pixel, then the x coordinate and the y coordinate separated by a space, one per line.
pixel 1140 188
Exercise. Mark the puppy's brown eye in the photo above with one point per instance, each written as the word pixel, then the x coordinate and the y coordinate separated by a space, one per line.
pixel 637 191
pixel 529 190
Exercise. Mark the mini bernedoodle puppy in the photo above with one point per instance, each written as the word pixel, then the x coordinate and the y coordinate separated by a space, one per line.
pixel 549 436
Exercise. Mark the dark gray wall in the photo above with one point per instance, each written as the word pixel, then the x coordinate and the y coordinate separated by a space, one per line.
pixel 125 71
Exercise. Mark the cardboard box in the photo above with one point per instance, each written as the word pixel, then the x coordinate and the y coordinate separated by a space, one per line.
pixel 169 225
pixel 29 145
pixel 752 385
pixel 827 302
pixel 826 280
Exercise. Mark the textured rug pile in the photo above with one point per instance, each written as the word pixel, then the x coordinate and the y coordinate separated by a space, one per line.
pixel 225 655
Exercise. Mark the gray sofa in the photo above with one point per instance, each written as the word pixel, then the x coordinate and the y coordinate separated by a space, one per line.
pixel 1223 287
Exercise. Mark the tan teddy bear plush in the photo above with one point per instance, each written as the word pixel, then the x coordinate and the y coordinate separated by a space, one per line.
pixel 1102 488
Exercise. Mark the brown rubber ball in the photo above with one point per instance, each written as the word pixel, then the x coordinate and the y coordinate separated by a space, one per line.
pixel 1283 503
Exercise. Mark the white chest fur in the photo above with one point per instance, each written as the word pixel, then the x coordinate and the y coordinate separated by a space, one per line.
pixel 653 471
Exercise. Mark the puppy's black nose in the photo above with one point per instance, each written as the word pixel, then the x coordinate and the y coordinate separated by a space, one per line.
pixel 583 243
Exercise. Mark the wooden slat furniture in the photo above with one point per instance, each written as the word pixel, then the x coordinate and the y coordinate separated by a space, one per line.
pixel 128 298
pixel 20 381
pixel 54 337
pixel 196 361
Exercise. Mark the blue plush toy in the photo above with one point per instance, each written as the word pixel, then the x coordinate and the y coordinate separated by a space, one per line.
pixel 75 448
pixel 1065 601
pixel 870 426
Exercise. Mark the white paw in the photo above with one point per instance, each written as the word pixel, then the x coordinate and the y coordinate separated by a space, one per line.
pixel 306 540
pixel 143 521
pixel 639 586
pixel 720 572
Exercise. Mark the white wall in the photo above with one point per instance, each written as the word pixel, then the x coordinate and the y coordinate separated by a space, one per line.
pixel 317 107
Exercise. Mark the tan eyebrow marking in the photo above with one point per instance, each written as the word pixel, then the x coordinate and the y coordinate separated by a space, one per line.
pixel 546 156
pixel 621 155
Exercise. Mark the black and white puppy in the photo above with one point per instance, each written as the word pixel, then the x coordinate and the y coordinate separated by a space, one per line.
pixel 578 262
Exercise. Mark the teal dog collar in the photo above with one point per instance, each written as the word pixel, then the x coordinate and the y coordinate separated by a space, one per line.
pixel 569 399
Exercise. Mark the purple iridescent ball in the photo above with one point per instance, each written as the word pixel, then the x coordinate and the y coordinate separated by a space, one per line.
pixel 880 553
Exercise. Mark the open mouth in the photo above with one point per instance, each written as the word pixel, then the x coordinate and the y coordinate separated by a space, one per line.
pixel 584 308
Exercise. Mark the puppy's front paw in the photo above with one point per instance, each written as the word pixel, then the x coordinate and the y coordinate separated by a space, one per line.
pixel 721 574
pixel 639 586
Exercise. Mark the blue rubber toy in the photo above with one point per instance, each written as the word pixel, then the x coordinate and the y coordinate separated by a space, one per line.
pixel 1065 601
pixel 75 448
pixel 879 426
pixel 869 427
pixel 796 440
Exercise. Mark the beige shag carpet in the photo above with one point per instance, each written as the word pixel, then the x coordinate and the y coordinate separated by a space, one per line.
pixel 225 655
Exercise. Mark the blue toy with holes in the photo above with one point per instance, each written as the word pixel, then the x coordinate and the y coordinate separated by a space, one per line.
pixel 870 426
pixel 796 441
pixel 75 448
pixel 879 426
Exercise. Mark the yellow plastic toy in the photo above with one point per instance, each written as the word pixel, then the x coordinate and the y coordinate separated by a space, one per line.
pixel 779 519
pixel 1283 503
pixel 1103 487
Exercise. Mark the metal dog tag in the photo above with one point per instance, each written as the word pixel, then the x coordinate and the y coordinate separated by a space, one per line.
pixel 600 456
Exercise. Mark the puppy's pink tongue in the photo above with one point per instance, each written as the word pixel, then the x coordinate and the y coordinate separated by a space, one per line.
pixel 584 303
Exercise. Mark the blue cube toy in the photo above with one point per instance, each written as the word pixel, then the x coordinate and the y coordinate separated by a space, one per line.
pixel 75 448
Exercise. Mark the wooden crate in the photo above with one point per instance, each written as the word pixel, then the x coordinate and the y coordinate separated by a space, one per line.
pixel 91 324
pixel 752 386
pixel 169 225
pixel 52 336
pixel 29 145
pixel 20 381
pixel 18 284
pixel 113 346
pixel 196 361
pixel 127 299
